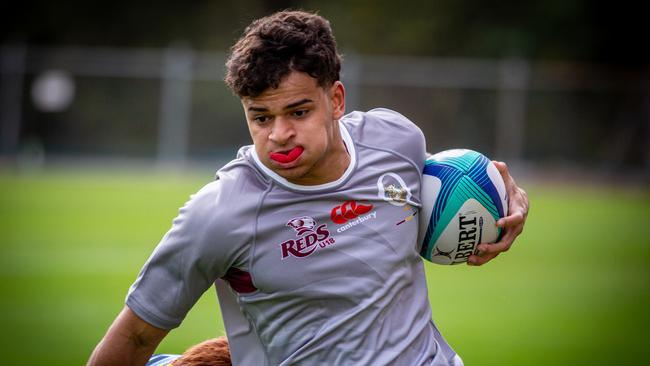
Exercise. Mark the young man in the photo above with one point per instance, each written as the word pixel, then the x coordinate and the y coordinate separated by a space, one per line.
pixel 300 225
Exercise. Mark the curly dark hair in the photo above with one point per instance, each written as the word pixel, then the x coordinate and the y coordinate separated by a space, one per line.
pixel 213 352
pixel 274 46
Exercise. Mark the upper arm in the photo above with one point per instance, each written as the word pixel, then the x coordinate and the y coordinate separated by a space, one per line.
pixel 210 235
pixel 187 261
pixel 129 341
pixel 404 136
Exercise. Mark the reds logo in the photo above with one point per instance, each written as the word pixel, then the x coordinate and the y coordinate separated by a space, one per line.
pixel 309 236
pixel 348 210
pixel 302 224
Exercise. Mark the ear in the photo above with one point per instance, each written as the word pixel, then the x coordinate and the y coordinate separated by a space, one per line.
pixel 337 96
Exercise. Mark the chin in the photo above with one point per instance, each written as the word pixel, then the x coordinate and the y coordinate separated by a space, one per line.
pixel 291 174
pixel 296 175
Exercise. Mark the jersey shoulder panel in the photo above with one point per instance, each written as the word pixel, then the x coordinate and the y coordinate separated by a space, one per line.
pixel 221 214
pixel 385 129
pixel 242 174
pixel 210 235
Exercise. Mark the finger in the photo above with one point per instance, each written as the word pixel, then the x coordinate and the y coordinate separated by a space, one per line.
pixel 502 245
pixel 495 248
pixel 487 252
pixel 503 170
pixel 515 219
pixel 510 233
pixel 501 166
pixel 508 180
pixel 477 260
pixel 525 203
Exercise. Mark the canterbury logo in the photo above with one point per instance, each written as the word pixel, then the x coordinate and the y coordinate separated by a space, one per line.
pixel 349 210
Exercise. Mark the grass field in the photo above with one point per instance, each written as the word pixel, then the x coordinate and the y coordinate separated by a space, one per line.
pixel 575 289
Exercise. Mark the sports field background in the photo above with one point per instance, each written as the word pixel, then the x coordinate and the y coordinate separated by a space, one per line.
pixel 574 290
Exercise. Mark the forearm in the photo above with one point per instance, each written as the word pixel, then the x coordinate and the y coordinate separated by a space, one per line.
pixel 120 352
pixel 129 341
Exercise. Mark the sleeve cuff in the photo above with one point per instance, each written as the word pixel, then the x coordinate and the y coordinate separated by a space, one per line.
pixel 150 317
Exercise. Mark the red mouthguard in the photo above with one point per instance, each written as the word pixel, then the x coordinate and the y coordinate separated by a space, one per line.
pixel 287 158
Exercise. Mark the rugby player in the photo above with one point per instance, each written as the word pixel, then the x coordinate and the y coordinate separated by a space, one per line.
pixel 299 233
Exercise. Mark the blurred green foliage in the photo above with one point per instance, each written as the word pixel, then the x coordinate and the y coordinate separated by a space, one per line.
pixel 541 29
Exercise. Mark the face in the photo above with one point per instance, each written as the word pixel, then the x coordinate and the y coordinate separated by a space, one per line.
pixel 295 129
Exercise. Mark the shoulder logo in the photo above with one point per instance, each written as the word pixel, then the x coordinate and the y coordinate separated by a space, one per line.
pixel 309 235
pixel 392 189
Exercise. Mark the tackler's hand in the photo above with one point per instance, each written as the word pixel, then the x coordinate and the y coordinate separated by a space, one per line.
pixel 513 224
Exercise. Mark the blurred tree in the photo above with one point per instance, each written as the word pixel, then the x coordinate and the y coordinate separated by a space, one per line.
pixel 549 29
pixel 539 29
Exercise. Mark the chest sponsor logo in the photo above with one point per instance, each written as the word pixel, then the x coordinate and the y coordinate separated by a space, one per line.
pixel 310 236
pixel 392 189
pixel 349 210
pixel 351 213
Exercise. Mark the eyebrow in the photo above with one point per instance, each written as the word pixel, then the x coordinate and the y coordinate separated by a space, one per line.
pixel 288 106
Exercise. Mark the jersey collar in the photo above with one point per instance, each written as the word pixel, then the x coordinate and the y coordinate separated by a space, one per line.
pixel 349 145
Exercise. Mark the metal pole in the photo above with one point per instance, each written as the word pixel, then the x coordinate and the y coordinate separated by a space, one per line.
pixel 645 114
pixel 351 77
pixel 175 106
pixel 511 110
pixel 12 70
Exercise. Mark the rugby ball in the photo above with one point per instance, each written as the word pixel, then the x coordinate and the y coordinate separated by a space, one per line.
pixel 463 196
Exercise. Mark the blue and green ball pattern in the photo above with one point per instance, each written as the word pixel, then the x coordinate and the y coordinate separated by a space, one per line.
pixel 462 177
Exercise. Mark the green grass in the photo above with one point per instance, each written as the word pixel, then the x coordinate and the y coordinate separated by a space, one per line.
pixel 575 288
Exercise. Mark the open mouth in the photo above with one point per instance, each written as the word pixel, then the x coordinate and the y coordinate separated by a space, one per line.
pixel 286 156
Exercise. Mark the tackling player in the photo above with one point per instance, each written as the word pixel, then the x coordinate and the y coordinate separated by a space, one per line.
pixel 213 352
pixel 300 232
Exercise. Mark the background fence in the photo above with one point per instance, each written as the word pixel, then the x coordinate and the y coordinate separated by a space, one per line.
pixel 171 106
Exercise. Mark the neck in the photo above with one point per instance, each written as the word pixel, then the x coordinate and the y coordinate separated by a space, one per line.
pixel 332 165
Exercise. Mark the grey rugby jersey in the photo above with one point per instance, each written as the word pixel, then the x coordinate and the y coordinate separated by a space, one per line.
pixel 316 275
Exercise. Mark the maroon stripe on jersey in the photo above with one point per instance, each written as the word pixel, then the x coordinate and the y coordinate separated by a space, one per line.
pixel 240 281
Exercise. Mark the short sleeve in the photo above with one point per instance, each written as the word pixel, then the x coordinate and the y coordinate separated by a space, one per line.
pixel 190 257
pixel 409 137
pixel 386 129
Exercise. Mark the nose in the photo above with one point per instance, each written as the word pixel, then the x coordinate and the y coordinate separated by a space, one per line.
pixel 282 131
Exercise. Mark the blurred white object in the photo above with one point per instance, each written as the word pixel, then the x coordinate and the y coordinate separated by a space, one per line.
pixel 53 91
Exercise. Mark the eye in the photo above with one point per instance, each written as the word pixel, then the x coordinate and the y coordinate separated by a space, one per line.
pixel 300 113
pixel 261 119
